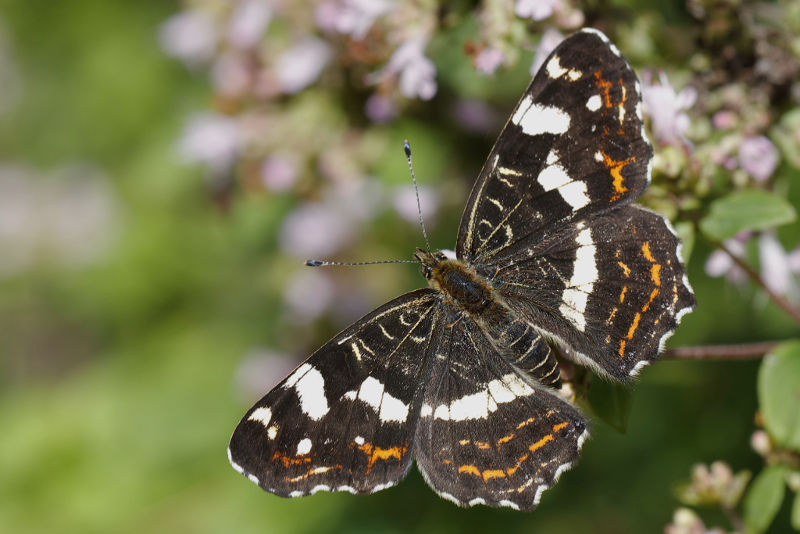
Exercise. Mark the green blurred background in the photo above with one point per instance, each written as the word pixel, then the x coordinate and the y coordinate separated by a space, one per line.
pixel 140 297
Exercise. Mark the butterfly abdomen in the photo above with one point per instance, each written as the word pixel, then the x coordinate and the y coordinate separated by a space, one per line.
pixel 511 336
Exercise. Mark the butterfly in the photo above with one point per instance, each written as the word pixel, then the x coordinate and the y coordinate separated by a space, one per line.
pixel 461 375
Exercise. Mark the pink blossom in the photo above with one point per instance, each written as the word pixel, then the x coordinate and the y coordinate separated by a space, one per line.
pixel 537 9
pixel 758 157
pixel 380 109
pixel 775 265
pixel 665 108
pixel 724 120
pixel 211 139
pixel 489 60
pixel 230 75
pixel 248 22
pixel 417 73
pixel 474 115
pixel 551 38
pixel 315 230
pixel 301 65
pixel 351 17
pixel 309 294
pixel 719 263
pixel 278 173
pixel 189 36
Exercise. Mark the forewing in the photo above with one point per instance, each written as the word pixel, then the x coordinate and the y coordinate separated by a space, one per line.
pixel 486 434
pixel 574 145
pixel 344 419
pixel 610 289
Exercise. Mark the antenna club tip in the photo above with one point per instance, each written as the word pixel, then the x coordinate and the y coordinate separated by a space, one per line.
pixel 313 263
pixel 407 148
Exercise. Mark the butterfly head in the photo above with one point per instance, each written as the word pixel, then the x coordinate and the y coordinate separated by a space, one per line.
pixel 428 261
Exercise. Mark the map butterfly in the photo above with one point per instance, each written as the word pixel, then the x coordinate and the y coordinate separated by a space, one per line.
pixel 459 375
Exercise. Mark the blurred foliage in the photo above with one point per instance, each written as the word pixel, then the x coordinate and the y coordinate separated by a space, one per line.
pixel 145 304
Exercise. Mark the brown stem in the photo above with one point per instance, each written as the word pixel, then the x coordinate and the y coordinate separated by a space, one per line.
pixel 784 304
pixel 746 351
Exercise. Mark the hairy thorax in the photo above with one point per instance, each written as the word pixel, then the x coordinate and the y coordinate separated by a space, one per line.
pixel 473 295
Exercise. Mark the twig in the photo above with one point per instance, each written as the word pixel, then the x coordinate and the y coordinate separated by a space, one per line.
pixel 784 304
pixel 746 351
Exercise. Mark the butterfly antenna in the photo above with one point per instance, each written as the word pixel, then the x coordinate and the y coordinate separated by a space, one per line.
pixel 323 263
pixel 407 150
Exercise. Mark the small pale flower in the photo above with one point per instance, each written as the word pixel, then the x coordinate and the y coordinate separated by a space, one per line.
pixel 189 36
pixel 309 294
pixel 315 230
pixel 301 65
pixel 416 73
pixel 405 203
pixel 666 108
pixel 536 9
pixel 719 263
pixel 489 60
pixel 380 109
pixel 248 22
pixel 724 120
pixel 210 139
pixel 758 157
pixel 551 38
pixel 474 115
pixel 230 75
pixel 278 173
pixel 351 17
pixel 775 265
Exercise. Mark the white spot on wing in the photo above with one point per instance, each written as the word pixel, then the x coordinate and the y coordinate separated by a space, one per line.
pixel 535 119
pixel 584 274
pixel 593 104
pixel 390 408
pixel 555 70
pixel 426 410
pixel 261 414
pixel 310 388
pixel 304 447
pixel 359 440
pixel 478 405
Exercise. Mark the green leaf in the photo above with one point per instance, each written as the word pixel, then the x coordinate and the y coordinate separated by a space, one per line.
pixel 779 394
pixel 611 403
pixel 746 210
pixel 796 512
pixel 764 498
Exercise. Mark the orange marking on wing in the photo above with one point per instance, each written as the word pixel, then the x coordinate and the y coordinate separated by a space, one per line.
pixel 621 348
pixel 471 469
pixel 646 251
pixel 528 421
pixel 615 168
pixel 655 274
pixel 622 293
pixel 625 269
pixel 290 460
pixel 482 445
pixel 611 317
pixel 541 443
pixel 604 86
pixel 493 473
pixel 512 470
pixel 505 439
pixel 446 462
pixel 559 426
pixel 653 295
pixel 634 325
pixel 379 453
pixel 464 442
